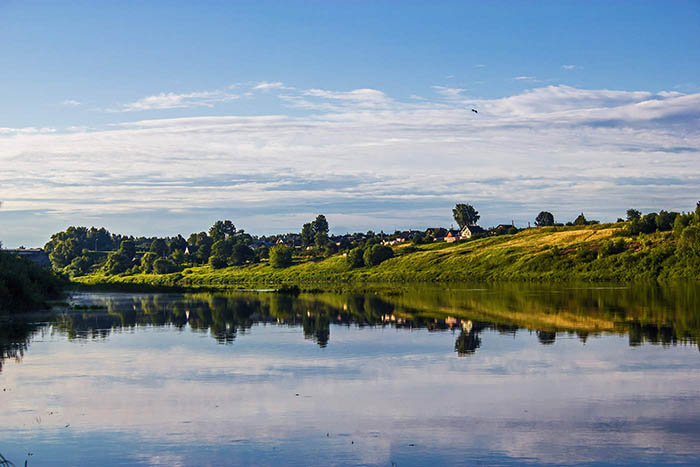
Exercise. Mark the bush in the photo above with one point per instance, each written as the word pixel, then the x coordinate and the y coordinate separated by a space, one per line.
pixel 355 259
pixel 240 253
pixel 611 247
pixel 116 263
pixel 690 240
pixel 163 266
pixel 280 256
pixel 217 262
pixel 376 254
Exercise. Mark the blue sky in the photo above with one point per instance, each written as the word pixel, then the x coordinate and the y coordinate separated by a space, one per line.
pixel 161 117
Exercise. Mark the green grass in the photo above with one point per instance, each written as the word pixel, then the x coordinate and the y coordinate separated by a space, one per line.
pixel 545 254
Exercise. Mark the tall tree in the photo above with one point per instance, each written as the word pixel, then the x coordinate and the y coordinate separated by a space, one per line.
pixel 320 225
pixel 159 247
pixel 465 215
pixel 544 219
pixel 221 230
pixel 633 215
pixel 307 234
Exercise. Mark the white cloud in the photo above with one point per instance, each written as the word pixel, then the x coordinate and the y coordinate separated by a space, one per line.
pixel 450 93
pixel 372 160
pixel 71 103
pixel 571 67
pixel 268 86
pixel 176 101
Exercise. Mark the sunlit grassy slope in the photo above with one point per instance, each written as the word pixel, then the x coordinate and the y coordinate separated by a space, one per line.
pixel 545 254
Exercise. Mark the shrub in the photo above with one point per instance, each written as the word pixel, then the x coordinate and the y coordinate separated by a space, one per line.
pixel 163 266
pixel 376 254
pixel 355 259
pixel 280 256
pixel 611 247
pixel 217 262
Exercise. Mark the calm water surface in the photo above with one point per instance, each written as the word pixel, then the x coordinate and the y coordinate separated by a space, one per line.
pixel 442 376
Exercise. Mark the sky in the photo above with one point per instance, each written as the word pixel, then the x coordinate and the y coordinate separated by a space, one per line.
pixel 158 118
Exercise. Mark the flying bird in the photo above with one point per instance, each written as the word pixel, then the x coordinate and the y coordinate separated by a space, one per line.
pixel 475 111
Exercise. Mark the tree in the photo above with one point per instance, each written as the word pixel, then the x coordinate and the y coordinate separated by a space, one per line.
pixel 580 220
pixel 377 254
pixel 633 214
pixel 307 234
pixel 217 261
pixel 320 225
pixel 147 261
pixel 128 249
pixel 162 266
pixel 544 219
pixel 321 239
pixel 355 259
pixel 117 262
pixel 465 215
pixel 159 247
pixel 222 249
pixel 665 220
pixel 280 256
pixel 240 254
pixel 221 230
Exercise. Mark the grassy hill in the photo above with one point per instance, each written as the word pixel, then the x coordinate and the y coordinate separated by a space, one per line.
pixel 579 253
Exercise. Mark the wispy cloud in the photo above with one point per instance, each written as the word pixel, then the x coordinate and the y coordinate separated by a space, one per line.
pixel 571 67
pixel 172 100
pixel 268 86
pixel 71 103
pixel 450 93
pixel 372 160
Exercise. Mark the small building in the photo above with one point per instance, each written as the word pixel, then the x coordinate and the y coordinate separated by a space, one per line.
pixel 470 230
pixel 453 236
pixel 36 255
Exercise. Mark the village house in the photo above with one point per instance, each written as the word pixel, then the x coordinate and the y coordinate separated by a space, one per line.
pixel 468 231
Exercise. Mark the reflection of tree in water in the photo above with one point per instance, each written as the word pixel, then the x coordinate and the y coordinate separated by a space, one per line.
pixel 657 316
pixel 467 343
pixel 15 336
pixel 546 337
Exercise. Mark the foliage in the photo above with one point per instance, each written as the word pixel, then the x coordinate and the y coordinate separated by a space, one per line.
pixel 355 258
pixel 633 215
pixel 147 261
pixel 240 254
pixel 465 214
pixel 159 247
pixel 280 256
pixel 376 254
pixel 163 266
pixel 24 285
pixel 580 220
pixel 544 219
pixel 217 261
pixel 611 247
pixel 221 230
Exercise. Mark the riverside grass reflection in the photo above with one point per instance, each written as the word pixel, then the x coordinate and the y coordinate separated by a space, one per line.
pixel 645 313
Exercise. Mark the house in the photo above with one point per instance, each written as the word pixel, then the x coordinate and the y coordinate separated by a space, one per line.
pixel 468 231
pixel 36 255
pixel 453 236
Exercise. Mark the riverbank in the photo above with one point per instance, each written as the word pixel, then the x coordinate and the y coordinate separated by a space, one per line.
pixel 560 254
pixel 25 286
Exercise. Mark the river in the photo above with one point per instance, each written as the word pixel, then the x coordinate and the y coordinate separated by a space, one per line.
pixel 441 375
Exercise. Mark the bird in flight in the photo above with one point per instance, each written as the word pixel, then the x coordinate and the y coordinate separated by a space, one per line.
pixel 475 111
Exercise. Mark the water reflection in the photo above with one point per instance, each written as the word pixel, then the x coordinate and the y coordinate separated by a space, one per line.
pixel 651 314
pixel 448 376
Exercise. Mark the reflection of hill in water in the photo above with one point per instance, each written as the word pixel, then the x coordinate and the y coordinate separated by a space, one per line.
pixel 645 313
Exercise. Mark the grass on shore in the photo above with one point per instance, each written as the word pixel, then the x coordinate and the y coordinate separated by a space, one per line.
pixel 542 254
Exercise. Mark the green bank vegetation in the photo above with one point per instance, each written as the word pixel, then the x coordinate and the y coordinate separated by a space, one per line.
pixel 24 285
pixel 655 246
